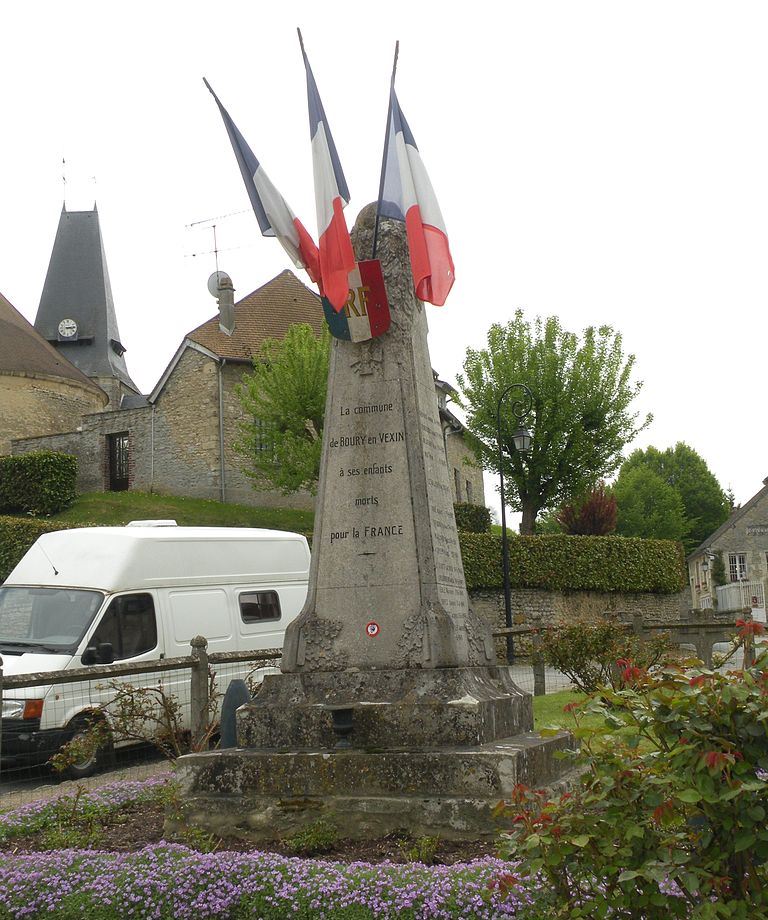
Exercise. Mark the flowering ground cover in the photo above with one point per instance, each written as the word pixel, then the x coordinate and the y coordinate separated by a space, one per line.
pixel 43 876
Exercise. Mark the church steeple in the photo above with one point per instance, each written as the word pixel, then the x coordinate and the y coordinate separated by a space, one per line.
pixel 77 313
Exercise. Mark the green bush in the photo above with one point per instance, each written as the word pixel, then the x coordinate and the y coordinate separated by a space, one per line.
pixel 559 562
pixel 38 483
pixel 16 536
pixel 472 518
pixel 586 651
pixel 669 819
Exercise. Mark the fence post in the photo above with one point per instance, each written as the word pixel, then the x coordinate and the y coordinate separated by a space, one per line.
pixel 1 705
pixel 539 671
pixel 199 691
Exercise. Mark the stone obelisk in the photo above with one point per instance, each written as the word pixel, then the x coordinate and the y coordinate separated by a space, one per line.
pixel 391 711
pixel 387 585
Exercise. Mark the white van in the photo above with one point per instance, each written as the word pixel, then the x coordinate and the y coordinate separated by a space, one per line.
pixel 95 595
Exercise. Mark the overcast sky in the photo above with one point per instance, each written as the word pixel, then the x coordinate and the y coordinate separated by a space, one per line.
pixel 602 161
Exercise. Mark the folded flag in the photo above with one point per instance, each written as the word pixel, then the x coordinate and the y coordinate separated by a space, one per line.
pixel 407 195
pixel 272 211
pixel 337 258
pixel 366 312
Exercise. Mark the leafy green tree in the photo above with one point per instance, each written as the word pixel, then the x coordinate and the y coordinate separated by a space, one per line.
pixel 580 419
pixel 284 402
pixel 647 506
pixel 705 503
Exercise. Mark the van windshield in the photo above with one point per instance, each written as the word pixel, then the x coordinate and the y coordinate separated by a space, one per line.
pixel 50 620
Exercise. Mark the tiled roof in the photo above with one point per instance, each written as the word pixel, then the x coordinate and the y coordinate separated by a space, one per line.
pixel 24 351
pixel 735 516
pixel 264 314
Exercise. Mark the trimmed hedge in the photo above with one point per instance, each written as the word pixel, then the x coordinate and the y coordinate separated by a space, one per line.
pixel 42 482
pixel 560 562
pixel 16 536
pixel 472 518
pixel 554 562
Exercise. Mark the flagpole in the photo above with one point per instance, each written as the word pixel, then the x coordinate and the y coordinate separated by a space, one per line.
pixel 384 157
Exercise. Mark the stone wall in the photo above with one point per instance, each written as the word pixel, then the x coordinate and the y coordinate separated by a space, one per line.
pixel 465 476
pixel 89 446
pixel 31 406
pixel 533 606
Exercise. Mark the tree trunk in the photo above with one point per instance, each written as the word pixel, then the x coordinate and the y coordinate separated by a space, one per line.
pixel 529 518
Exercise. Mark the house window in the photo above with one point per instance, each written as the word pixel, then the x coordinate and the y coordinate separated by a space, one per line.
pixel 129 625
pixel 468 484
pixel 259 606
pixel 261 442
pixel 737 565
pixel 457 483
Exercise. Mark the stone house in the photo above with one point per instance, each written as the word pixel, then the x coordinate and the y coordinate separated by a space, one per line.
pixel 743 542
pixel 179 439
pixel 40 390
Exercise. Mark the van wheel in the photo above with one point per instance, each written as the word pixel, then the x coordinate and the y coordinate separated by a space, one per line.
pixel 96 758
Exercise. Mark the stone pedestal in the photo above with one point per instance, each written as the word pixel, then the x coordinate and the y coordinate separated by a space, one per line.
pixel 391 712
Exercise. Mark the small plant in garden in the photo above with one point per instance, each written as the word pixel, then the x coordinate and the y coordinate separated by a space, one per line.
pixel 671 816
pixel 423 849
pixel 137 714
pixel 317 837
pixel 586 651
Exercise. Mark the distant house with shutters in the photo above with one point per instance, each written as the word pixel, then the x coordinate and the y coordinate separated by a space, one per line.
pixel 743 542
pixel 179 438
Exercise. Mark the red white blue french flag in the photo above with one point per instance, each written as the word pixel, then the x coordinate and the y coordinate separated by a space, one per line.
pixel 407 195
pixel 272 211
pixel 337 258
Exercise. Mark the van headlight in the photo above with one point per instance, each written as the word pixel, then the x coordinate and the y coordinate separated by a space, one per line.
pixel 13 709
pixel 22 709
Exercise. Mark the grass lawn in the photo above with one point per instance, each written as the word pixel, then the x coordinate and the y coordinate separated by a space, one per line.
pixel 105 508
pixel 548 711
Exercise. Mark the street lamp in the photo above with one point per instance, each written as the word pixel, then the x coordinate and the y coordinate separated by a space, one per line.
pixel 521 440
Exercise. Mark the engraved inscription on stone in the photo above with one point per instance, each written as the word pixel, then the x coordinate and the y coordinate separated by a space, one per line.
pixel 366 462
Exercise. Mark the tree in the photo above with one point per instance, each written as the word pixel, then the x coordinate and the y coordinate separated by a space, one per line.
pixel 593 514
pixel 284 401
pixel 580 417
pixel 647 506
pixel 705 503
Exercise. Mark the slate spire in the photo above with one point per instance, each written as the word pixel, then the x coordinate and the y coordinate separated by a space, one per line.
pixel 77 312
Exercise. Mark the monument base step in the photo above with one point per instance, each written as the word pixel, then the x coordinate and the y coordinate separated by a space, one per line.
pixel 268 795
pixel 389 708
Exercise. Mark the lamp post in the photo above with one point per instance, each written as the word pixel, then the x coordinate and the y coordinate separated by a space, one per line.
pixel 521 439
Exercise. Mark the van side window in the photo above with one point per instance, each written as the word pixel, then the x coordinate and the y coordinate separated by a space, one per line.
pixel 258 606
pixel 129 624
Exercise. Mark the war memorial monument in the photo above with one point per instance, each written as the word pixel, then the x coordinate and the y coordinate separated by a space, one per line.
pixel 391 711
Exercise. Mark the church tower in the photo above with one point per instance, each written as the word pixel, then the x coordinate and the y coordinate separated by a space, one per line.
pixel 77 313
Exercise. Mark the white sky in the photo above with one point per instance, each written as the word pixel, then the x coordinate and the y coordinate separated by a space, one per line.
pixel 603 161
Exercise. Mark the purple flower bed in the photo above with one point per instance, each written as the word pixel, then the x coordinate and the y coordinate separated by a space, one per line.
pixel 171 881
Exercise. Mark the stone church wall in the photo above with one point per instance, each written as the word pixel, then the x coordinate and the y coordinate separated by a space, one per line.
pixel 32 405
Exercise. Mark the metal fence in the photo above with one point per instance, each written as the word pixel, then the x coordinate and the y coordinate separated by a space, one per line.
pixel 196 683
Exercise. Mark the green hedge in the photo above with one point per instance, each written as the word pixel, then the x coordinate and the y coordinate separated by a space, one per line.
pixel 16 536
pixel 472 518
pixel 560 562
pixel 42 482
pixel 556 562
